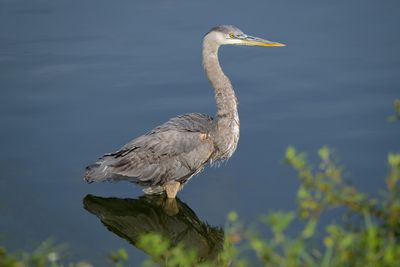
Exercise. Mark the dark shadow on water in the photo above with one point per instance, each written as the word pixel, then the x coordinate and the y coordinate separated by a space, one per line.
pixel 173 219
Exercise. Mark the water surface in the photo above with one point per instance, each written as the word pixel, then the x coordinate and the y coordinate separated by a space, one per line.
pixel 82 78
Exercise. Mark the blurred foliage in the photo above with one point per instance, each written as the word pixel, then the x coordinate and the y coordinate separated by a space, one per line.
pixel 119 258
pixel 49 255
pixel 45 255
pixel 396 116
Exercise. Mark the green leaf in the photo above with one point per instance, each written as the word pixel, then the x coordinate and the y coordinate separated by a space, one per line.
pixel 290 153
pixel 394 159
pixel 309 229
pixel 279 221
pixel 324 153
pixel 232 216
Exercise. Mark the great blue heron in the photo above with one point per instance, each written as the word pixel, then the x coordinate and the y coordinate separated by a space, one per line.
pixel 167 157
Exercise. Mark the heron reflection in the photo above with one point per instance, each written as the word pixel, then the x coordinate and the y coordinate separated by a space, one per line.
pixel 171 218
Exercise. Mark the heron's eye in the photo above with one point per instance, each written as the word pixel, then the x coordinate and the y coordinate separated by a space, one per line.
pixel 231 35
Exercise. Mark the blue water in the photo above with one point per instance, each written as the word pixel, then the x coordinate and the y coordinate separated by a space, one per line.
pixel 82 78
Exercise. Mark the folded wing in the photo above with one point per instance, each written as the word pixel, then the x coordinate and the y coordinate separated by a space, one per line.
pixel 176 150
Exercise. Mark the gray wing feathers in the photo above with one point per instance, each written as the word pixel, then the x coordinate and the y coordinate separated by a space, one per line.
pixel 174 150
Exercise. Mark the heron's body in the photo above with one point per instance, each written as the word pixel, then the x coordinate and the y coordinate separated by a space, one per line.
pixel 165 158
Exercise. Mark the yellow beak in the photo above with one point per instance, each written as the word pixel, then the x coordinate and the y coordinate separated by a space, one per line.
pixel 255 41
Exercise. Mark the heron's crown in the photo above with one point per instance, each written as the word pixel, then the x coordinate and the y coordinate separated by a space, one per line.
pixel 227 29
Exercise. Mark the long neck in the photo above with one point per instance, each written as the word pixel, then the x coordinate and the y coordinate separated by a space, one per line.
pixel 224 94
pixel 226 124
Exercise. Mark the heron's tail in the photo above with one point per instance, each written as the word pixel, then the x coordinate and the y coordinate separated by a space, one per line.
pixel 97 172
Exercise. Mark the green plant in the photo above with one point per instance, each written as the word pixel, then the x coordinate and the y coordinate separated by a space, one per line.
pixel 396 116
pixel 119 258
pixel 45 255
pixel 373 238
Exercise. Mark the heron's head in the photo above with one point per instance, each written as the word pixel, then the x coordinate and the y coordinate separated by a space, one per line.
pixel 231 35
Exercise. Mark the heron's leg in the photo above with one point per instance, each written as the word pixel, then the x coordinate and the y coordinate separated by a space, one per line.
pixel 171 188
